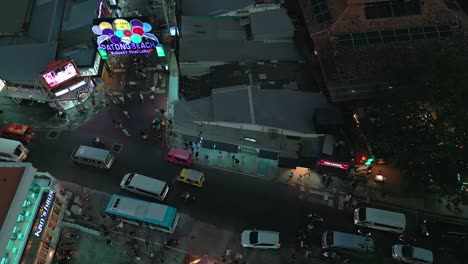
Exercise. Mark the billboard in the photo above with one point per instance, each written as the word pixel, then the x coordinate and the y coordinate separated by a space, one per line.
pixel 60 74
pixel 122 36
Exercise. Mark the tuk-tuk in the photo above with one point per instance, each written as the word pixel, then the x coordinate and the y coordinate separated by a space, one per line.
pixel 192 177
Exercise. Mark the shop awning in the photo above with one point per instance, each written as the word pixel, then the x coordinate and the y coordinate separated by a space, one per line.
pixel 290 163
pixel 210 144
pixel 266 154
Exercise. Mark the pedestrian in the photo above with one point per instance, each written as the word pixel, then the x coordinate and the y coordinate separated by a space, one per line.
pixel 291 175
pixel 141 98
pixel 147 243
pixel 109 242
pixel 237 162
pixel 220 154
pixel 115 123
pixel 129 96
pixel 186 144
pixel 242 159
pixel 299 180
pixel 233 158
pixel 127 115
pixel 196 155
pixel 162 111
pixel 170 121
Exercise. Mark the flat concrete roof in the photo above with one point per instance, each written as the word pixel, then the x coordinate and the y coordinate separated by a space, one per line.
pixel 12 15
pixel 10 178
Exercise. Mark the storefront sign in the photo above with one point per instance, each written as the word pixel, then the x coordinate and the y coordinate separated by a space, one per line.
pixel 45 213
pixel 60 75
pixel 121 37
pixel 333 164
pixel 128 48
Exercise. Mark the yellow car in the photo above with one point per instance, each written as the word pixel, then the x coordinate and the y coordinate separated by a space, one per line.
pixel 192 177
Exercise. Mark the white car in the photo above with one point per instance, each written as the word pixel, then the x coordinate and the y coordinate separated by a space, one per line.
pixel 410 254
pixel 260 239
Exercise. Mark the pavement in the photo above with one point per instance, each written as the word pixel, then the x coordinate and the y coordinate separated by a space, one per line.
pixel 388 193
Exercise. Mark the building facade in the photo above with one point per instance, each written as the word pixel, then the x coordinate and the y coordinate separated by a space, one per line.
pixel 31 212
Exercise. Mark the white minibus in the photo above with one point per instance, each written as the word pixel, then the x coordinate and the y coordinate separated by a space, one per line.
pixel 145 186
pixel 100 158
pixel 12 150
pixel 380 219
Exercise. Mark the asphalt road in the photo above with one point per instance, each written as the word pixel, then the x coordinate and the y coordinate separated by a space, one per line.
pixel 229 200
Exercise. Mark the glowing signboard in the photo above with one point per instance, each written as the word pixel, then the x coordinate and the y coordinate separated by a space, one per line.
pixel 60 75
pixel 333 164
pixel 122 37
pixel 45 213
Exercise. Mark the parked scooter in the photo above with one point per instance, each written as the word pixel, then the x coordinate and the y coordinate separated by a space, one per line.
pixel 331 256
pixel 405 239
pixel 70 235
pixel 64 252
pixel 98 142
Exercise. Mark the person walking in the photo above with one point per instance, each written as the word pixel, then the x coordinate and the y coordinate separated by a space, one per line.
pixel 299 180
pixel 291 175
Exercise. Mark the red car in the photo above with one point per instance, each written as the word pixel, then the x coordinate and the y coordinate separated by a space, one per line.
pixel 18 132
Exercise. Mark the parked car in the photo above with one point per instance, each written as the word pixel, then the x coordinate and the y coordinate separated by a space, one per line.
pixel 260 239
pixel 410 254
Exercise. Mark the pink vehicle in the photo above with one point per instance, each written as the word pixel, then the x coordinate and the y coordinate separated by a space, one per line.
pixel 179 156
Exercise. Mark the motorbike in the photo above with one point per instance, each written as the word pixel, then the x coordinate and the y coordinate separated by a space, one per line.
pixel 187 196
pixel 364 232
pixel 86 217
pixel 331 256
pixel 64 252
pixel 405 239
pixel 171 242
pixel 70 235
pixel 315 217
pixel 98 142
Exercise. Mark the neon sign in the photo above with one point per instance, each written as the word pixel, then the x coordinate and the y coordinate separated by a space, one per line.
pixel 122 37
pixel 45 213
pixel 60 75
pixel 333 164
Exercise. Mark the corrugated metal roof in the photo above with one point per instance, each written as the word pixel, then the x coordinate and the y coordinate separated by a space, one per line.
pixel 212 28
pixel 272 24
pixel 212 7
pixel 25 62
pixel 236 50
pixel 13 15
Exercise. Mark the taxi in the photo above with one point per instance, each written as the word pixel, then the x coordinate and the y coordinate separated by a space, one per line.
pixel 192 177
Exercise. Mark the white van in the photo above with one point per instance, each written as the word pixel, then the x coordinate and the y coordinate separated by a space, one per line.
pixel 12 150
pixel 380 219
pixel 145 186
pixel 100 158
pixel 345 243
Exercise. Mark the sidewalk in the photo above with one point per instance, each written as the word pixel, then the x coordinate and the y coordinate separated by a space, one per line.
pixel 390 194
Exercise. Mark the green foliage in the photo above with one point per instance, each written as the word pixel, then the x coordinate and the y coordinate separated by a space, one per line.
pixel 423 121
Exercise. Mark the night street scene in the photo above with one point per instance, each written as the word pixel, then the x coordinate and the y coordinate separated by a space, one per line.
pixel 233 131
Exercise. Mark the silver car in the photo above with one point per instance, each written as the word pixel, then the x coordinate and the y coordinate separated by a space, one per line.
pixel 260 239
pixel 409 254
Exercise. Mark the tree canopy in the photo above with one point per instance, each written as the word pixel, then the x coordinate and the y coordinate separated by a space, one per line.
pixel 422 122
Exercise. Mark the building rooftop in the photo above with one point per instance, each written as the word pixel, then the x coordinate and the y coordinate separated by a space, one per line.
pixel 272 24
pixel 236 50
pixel 283 109
pixel 36 47
pixel 13 16
pixel 10 178
pixel 212 7
pixel 266 75
pixel 213 28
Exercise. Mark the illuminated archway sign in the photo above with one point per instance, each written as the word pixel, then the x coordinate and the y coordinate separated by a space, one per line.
pixel 333 164
pixel 122 37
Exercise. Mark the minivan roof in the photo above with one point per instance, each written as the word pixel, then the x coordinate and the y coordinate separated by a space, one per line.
pixel 146 183
pixel 385 217
pixel 8 145
pixel 353 241
pixel 85 152
pixel 180 153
